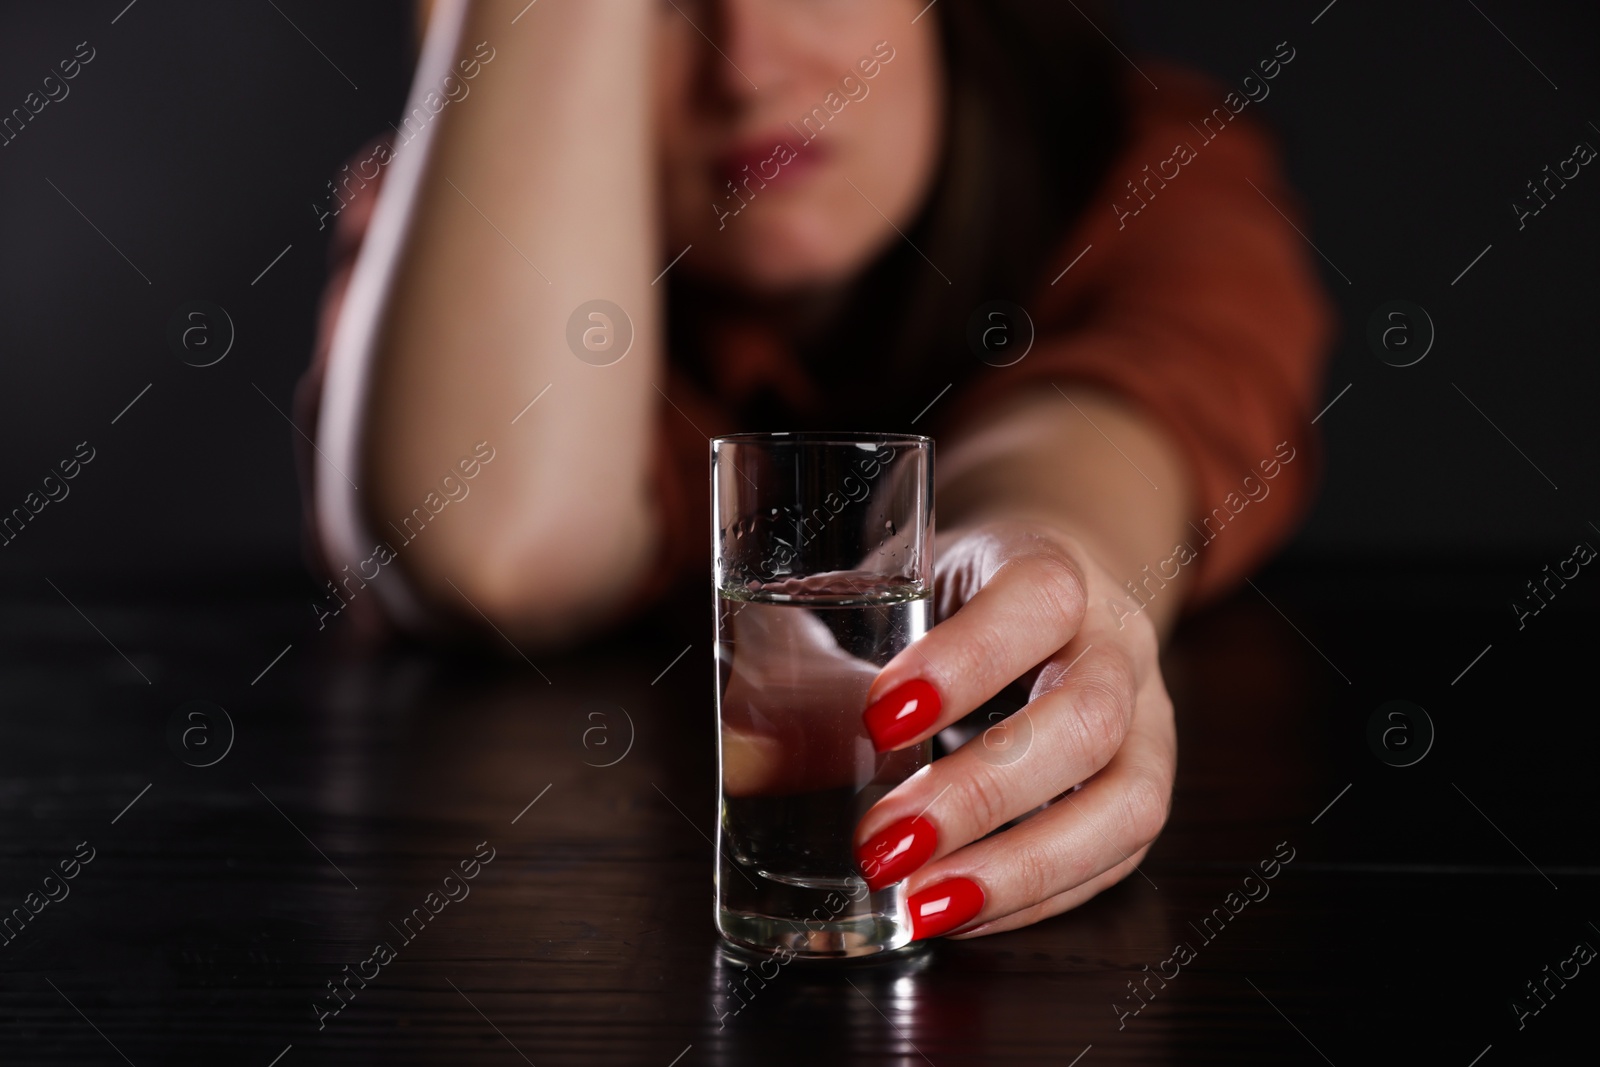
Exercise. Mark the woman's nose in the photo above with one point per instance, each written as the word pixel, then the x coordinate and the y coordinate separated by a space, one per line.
pixel 748 47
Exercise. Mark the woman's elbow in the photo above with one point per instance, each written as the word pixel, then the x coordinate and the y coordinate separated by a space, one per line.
pixel 551 588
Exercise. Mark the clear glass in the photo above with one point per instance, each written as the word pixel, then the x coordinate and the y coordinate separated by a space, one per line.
pixel 823 571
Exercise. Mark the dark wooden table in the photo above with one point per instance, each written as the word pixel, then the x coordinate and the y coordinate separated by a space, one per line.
pixel 220 901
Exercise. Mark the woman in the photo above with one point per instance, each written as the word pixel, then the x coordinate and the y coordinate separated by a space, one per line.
pixel 800 210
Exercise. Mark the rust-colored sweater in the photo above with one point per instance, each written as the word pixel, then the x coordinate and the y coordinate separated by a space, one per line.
pixel 1183 287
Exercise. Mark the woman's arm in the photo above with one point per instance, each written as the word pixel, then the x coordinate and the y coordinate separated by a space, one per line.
pixel 1174 391
pixel 515 204
pixel 1080 461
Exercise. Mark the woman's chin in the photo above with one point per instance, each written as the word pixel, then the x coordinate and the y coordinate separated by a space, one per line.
pixel 775 262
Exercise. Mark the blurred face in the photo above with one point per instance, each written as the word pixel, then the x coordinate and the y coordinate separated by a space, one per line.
pixel 798 138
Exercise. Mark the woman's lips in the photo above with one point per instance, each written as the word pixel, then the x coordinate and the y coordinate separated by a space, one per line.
pixel 761 164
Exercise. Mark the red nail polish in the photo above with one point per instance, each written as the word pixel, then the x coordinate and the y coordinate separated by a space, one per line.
pixel 942 907
pixel 897 851
pixel 904 713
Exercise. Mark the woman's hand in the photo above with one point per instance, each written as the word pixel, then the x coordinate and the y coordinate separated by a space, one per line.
pixel 788 723
pixel 1021 600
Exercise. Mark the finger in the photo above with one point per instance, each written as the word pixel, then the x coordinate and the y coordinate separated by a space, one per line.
pixel 1065 846
pixel 1057 904
pixel 1067 733
pixel 786 711
pixel 1029 604
pixel 1061 849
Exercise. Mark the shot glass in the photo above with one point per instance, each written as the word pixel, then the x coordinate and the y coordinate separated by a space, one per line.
pixel 822 559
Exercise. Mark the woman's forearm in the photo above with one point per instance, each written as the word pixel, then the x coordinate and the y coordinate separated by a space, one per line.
pixel 517 203
pixel 1085 463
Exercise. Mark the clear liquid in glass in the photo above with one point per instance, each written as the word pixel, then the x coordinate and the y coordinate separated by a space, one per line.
pixel 798 767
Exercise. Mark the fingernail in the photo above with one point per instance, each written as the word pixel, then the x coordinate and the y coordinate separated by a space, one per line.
pixel 904 713
pixel 944 906
pixel 896 852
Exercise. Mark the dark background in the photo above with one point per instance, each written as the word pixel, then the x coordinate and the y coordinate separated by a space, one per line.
pixel 1424 896
pixel 200 135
